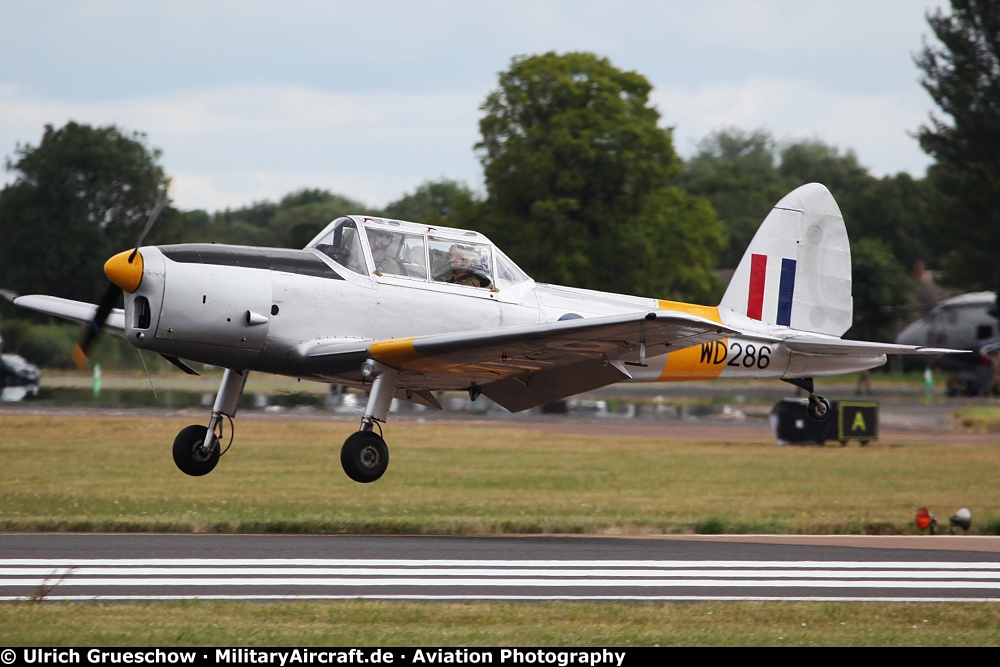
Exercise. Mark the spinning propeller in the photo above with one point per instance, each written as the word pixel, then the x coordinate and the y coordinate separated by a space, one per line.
pixel 124 270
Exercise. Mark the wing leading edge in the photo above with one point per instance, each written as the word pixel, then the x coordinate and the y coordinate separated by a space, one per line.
pixel 75 311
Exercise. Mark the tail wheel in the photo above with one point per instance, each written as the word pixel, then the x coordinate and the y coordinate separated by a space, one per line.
pixel 188 453
pixel 364 456
pixel 819 408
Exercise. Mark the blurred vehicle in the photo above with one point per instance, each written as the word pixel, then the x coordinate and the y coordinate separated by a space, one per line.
pixel 18 377
pixel 968 322
pixel 988 379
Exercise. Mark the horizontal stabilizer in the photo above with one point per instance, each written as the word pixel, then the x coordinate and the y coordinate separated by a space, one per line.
pixel 75 311
pixel 813 344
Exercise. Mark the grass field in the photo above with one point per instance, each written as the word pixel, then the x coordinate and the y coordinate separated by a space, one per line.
pixel 383 624
pixel 115 473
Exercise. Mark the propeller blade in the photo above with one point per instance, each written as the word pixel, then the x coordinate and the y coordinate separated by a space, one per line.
pixel 89 335
pixel 161 201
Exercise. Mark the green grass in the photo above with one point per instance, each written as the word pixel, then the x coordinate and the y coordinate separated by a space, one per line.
pixel 115 473
pixel 384 624
pixel 978 418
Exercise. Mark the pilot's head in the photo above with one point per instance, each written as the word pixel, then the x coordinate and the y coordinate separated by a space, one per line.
pixel 379 239
pixel 460 257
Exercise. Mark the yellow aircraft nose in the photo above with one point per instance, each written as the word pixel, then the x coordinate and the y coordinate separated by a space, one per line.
pixel 124 273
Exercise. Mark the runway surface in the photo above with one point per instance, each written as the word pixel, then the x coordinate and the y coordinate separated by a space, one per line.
pixel 662 568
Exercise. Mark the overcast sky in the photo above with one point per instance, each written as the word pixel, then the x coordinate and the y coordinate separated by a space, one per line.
pixel 250 100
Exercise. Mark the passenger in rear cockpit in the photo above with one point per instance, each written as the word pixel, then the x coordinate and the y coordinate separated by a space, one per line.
pixel 461 264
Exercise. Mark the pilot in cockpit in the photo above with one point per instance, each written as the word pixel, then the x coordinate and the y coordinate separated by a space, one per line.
pixel 380 240
pixel 461 267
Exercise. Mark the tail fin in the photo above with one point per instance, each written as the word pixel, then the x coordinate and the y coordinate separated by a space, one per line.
pixel 797 271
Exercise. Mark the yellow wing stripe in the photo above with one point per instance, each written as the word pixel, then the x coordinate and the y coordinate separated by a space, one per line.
pixel 396 352
pixel 400 353
pixel 708 312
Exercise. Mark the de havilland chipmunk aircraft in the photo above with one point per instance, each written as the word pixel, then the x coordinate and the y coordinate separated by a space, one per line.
pixel 402 310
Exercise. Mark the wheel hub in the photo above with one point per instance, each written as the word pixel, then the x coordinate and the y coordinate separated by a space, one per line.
pixel 201 453
pixel 369 457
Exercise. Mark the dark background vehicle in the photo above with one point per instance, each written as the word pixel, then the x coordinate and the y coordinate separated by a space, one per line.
pixel 18 372
pixel 969 322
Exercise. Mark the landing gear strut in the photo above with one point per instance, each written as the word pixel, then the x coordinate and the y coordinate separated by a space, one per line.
pixel 819 407
pixel 365 455
pixel 196 447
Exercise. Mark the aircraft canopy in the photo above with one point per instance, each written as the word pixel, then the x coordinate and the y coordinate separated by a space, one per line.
pixel 400 249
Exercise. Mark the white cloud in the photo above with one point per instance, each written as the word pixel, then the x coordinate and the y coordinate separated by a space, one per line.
pixel 791 110
pixel 250 99
pixel 233 145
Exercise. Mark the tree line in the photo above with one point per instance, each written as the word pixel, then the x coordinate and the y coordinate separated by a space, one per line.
pixel 583 187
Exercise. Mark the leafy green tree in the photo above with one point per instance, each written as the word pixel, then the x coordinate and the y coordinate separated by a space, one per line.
pixel 577 172
pixel 80 196
pixel 744 174
pixel 301 215
pixel 738 172
pixel 193 226
pixel 878 280
pixel 962 75
pixel 291 223
pixel 896 210
pixel 813 161
pixel 443 202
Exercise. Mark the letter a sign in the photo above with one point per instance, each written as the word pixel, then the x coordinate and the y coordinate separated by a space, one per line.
pixel 857 420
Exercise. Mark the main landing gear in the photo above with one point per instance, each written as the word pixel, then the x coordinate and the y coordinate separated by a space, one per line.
pixel 819 407
pixel 365 455
pixel 196 447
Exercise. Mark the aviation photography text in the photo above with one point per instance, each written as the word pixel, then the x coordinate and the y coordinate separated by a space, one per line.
pixel 301 656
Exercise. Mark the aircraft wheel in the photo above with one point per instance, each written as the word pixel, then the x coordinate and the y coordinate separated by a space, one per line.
pixel 364 456
pixel 187 456
pixel 819 408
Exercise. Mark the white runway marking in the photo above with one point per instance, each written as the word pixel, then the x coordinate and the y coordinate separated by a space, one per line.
pixel 339 579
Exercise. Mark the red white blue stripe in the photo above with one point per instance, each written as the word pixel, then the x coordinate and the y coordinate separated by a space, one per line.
pixel 758 288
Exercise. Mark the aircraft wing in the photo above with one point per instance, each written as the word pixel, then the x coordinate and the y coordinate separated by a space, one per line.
pixel 818 344
pixel 522 367
pixel 76 311
pixel 518 367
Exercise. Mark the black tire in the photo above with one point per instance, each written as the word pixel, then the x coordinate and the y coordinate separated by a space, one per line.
pixel 186 455
pixel 364 456
pixel 819 408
